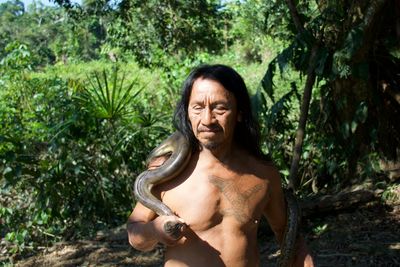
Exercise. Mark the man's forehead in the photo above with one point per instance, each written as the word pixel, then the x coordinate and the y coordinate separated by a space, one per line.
pixel 203 86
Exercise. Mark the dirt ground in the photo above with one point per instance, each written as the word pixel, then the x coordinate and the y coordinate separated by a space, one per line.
pixel 366 236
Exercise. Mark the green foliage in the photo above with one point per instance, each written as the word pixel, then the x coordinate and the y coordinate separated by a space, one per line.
pixel 260 28
pixel 320 229
pixel 342 141
pixel 74 134
pixel 69 153
pixel 52 35
pixel 278 122
pixel 391 195
pixel 155 30
pixel 108 99
pixel 18 57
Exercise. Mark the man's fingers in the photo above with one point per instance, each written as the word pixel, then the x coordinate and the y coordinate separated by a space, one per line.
pixel 174 228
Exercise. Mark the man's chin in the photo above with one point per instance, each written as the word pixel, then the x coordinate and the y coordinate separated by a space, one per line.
pixel 210 145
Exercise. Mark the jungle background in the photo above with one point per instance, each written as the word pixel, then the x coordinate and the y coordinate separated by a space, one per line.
pixel 88 89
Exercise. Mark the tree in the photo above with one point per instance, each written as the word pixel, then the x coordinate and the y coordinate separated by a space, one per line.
pixel 10 12
pixel 353 116
pixel 151 29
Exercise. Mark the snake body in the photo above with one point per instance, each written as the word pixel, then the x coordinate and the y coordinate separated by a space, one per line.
pixel 292 227
pixel 179 148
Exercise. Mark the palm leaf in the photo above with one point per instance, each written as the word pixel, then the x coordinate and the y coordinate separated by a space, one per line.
pixel 107 96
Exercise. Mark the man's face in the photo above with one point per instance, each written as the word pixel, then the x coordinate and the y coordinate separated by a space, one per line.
pixel 212 113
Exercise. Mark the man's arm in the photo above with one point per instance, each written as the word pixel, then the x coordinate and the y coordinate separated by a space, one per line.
pixel 302 256
pixel 275 212
pixel 145 228
pixel 141 228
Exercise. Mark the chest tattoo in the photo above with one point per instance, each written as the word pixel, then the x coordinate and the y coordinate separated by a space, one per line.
pixel 238 199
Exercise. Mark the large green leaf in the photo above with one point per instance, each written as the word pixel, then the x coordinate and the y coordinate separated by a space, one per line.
pixel 267 81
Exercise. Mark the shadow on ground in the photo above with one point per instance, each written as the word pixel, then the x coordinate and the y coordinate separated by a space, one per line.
pixel 367 236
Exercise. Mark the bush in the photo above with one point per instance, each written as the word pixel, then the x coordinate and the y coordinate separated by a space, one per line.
pixel 70 152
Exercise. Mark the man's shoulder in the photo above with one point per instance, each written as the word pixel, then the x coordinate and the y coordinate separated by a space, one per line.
pixel 259 159
pixel 262 161
pixel 262 167
pixel 156 162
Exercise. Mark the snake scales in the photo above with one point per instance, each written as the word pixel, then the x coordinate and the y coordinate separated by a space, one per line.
pixel 179 148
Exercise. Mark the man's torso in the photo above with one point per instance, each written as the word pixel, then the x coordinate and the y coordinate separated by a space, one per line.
pixel 222 207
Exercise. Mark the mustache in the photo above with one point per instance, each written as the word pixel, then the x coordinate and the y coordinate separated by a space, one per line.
pixel 211 128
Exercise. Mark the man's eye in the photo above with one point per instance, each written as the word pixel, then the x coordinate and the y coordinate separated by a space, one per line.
pixel 221 108
pixel 198 108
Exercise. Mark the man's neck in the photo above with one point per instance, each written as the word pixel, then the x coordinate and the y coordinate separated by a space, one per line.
pixel 222 154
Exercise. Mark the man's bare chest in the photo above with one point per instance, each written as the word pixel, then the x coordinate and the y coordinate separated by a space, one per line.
pixel 205 199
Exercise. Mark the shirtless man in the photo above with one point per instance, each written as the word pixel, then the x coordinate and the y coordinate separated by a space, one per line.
pixel 226 187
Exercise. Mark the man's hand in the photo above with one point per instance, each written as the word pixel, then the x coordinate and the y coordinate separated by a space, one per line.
pixel 169 229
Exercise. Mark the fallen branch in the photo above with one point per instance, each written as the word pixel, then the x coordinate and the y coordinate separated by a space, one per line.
pixel 334 203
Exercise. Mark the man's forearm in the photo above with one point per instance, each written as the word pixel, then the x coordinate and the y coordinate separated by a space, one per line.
pixel 303 256
pixel 141 235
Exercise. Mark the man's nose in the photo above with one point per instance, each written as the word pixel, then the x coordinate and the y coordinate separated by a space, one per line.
pixel 207 117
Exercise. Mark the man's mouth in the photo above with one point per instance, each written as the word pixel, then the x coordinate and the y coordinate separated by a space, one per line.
pixel 209 130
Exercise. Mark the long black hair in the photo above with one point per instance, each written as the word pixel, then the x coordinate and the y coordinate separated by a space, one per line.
pixel 247 134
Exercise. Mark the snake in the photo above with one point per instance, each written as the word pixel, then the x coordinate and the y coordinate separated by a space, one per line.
pixel 178 148
pixel 293 215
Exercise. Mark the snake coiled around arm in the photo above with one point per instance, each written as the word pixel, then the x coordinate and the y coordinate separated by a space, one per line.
pixel 180 150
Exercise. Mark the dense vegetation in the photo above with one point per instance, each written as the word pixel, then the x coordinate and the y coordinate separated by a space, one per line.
pixel 86 91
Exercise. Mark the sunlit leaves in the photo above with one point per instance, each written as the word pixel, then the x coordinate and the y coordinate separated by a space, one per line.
pixel 18 58
pixel 154 30
pixel 109 97
pixel 69 160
